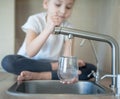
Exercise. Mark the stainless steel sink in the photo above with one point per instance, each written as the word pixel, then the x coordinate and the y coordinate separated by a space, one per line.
pixel 55 87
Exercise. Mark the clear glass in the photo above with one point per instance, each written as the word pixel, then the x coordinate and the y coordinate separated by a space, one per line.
pixel 68 68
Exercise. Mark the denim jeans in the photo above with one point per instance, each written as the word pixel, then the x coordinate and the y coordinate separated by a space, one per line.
pixel 16 64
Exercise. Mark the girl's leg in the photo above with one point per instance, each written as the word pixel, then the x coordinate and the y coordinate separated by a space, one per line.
pixel 16 64
pixel 86 70
pixel 28 68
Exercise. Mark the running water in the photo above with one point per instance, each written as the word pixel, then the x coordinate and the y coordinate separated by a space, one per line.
pixel 70 47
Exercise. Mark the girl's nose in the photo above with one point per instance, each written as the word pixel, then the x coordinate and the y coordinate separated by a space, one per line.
pixel 62 10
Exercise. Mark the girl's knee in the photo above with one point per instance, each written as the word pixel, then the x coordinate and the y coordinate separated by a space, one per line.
pixel 91 67
pixel 8 62
pixel 86 71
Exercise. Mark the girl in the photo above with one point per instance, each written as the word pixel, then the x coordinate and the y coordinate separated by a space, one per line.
pixel 41 48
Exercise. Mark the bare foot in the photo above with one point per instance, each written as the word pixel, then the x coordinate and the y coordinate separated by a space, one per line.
pixel 27 75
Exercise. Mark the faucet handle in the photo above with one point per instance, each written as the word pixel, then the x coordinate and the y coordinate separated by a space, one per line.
pixel 92 73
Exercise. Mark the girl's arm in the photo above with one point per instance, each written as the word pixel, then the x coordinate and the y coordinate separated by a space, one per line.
pixel 34 42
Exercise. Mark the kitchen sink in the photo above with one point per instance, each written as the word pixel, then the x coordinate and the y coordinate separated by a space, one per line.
pixel 55 87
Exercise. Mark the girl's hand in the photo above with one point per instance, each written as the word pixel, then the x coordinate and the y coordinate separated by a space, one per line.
pixel 52 22
pixel 75 80
pixel 56 20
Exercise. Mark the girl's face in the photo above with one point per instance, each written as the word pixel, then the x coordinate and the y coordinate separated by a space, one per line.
pixel 60 8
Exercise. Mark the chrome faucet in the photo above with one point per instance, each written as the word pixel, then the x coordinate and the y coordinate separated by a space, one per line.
pixel 102 38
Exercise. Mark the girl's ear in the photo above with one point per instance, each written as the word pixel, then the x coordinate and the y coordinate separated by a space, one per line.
pixel 45 4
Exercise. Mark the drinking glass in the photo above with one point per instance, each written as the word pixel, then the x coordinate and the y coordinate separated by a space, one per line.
pixel 68 69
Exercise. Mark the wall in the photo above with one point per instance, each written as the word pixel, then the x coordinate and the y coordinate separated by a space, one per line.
pixel 24 8
pixel 99 16
pixel 7 27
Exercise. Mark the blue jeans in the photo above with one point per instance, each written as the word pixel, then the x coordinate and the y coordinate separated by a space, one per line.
pixel 16 64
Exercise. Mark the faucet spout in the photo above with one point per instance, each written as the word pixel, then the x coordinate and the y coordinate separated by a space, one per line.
pixel 97 37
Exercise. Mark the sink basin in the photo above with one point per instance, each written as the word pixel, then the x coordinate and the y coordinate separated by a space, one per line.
pixel 55 87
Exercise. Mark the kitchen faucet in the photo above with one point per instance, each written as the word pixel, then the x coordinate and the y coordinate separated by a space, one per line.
pixel 102 38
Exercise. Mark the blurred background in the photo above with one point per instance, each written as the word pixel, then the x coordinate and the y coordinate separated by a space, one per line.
pixel 99 16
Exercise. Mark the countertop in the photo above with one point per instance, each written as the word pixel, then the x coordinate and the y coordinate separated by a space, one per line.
pixel 7 80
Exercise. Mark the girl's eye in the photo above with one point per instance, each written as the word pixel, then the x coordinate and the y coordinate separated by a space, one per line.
pixel 58 5
pixel 68 7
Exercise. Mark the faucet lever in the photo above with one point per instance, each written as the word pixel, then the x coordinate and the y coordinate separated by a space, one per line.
pixel 92 73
